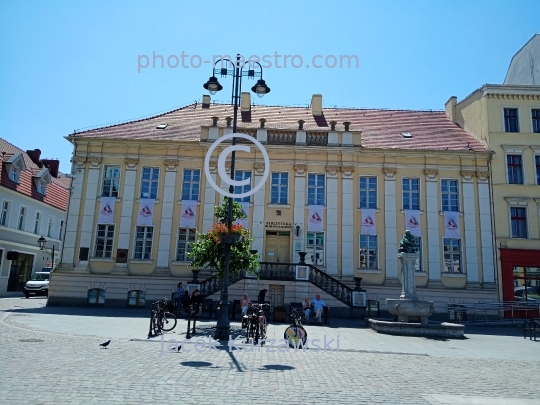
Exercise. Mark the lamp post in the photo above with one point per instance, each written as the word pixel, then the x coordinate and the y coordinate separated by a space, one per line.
pixel 223 326
pixel 41 243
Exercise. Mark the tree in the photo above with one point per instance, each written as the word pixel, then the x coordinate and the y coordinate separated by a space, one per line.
pixel 208 251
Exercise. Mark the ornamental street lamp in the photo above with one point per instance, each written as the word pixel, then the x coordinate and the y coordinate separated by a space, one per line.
pixel 41 243
pixel 223 326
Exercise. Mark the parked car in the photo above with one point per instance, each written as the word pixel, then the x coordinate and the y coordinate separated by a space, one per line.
pixel 37 285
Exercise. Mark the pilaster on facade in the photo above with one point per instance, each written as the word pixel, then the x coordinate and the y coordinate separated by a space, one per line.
pixel 300 170
pixel 469 220
pixel 390 224
pixel 166 227
pixel 92 187
pixel 209 198
pixel 347 226
pixel 299 203
pixel 434 242
pixel 95 162
pixel 170 165
pixel 259 198
pixel 332 210
pixel 128 204
pixel 131 163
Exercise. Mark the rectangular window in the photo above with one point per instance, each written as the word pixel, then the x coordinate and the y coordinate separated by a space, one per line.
pixel 315 248
pixel 143 243
pixel 15 174
pixel 22 219
pixel 50 227
pixel 368 251
pixel 61 230
pixel 280 187
pixel 104 241
pixel 452 256
pixel 41 188
pixel 240 175
pixel 418 265
pixel 537 164
pixel 518 217
pixel 368 192
pixel 411 194
pixel 535 112
pixel 111 181
pixel 185 237
pixel 190 184
pixel 511 120
pixel 5 213
pixel 449 195
pixel 149 182
pixel 515 169
pixel 315 189
pixel 37 223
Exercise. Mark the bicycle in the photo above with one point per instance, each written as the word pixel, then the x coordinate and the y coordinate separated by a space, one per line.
pixel 295 333
pixel 162 320
pixel 255 323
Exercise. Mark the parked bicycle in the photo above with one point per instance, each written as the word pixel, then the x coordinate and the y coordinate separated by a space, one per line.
pixel 255 323
pixel 162 320
pixel 295 333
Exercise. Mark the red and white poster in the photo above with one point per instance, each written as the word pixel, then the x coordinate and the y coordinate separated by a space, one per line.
pixel 315 220
pixel 451 225
pixel 245 209
pixel 412 222
pixel 146 212
pixel 106 210
pixel 189 212
pixel 368 222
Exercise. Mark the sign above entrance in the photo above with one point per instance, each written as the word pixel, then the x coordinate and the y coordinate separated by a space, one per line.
pixel 221 165
pixel 286 225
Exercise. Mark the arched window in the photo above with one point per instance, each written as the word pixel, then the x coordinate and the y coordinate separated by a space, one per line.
pixel 136 298
pixel 96 296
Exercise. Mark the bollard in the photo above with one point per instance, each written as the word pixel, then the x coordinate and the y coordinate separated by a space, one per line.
pixel 188 334
pixel 150 334
pixel 195 311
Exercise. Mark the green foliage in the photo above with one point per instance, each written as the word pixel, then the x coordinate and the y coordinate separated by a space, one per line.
pixel 208 251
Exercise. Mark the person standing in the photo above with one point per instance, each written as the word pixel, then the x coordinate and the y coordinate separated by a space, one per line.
pixel 262 294
pixel 196 301
pixel 244 304
pixel 179 294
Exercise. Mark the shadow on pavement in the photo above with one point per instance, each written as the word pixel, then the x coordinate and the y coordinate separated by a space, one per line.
pixel 276 367
pixel 85 311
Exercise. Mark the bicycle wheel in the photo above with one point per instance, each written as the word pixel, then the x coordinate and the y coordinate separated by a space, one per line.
pixel 168 322
pixel 295 334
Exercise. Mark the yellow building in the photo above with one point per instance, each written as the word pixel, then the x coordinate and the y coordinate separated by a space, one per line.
pixel 362 172
pixel 507 118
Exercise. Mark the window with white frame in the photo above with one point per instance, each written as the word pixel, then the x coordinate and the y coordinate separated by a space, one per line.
pixel 4 216
pixel 518 219
pixel 41 187
pixel 279 188
pixel 315 248
pixel 190 184
pixel 149 182
pixel 511 121
pixel 537 165
pixel 37 223
pixel 104 241
pixel 514 167
pixel 185 237
pixel 411 193
pixel 15 174
pixel 50 227
pixel 535 114
pixel 143 243
pixel 61 230
pixel 22 218
pixel 368 192
pixel 452 255
pixel 368 252
pixel 240 175
pixel 418 264
pixel 96 296
pixel 450 195
pixel 111 181
pixel 315 189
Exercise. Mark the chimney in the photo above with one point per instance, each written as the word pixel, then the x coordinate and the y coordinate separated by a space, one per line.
pixel 53 165
pixel 34 156
pixel 316 105
pixel 245 103
pixel 450 108
pixel 205 101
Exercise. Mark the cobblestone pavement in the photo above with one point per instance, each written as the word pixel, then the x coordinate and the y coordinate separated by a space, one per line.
pixel 47 365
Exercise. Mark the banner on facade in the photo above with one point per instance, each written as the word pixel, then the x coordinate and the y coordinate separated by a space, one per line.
pixel 146 211
pixel 106 210
pixel 412 222
pixel 451 224
pixel 245 210
pixel 315 220
pixel 368 222
pixel 189 212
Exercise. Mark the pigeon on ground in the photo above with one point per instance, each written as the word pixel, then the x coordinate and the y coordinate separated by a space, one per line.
pixel 104 345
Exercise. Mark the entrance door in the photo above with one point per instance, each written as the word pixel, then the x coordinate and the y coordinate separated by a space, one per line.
pixel 276 295
pixel 277 248
pixel 20 272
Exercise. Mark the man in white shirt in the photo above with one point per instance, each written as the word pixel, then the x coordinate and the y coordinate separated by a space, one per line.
pixel 318 305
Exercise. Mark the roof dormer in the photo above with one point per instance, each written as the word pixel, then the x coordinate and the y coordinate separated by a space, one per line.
pixel 41 179
pixel 14 166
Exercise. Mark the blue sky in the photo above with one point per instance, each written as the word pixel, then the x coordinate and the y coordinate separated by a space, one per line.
pixel 69 65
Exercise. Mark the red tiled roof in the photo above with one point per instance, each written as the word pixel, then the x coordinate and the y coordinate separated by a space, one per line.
pixel 57 194
pixel 430 130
